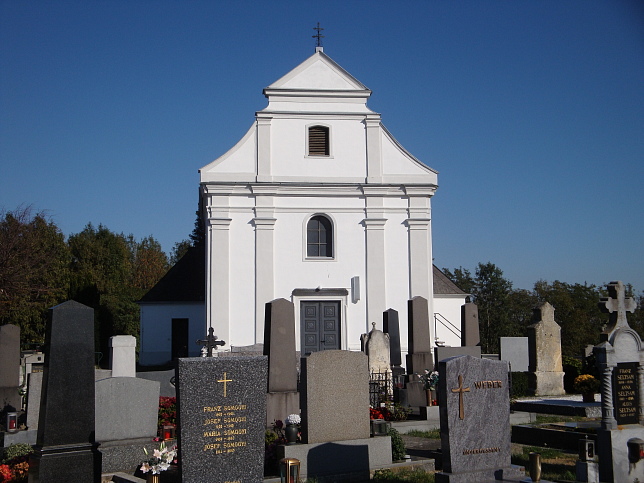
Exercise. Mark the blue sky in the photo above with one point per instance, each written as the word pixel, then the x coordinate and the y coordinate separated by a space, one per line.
pixel 532 112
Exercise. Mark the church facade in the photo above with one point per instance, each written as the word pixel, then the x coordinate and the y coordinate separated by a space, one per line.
pixel 320 205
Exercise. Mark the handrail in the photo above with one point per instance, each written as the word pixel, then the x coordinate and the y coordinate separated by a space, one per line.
pixel 446 323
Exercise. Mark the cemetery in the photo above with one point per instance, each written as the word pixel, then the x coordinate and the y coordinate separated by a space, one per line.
pixel 343 416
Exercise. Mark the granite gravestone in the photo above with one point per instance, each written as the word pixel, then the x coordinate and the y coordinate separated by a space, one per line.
pixel 620 360
pixel 470 325
pixel 545 363
pixel 335 425
pixel 279 345
pixel 9 367
pixel 475 420
pixel 127 410
pixel 222 415
pixel 514 350
pixel 419 344
pixel 335 396
pixel 391 326
pixel 66 449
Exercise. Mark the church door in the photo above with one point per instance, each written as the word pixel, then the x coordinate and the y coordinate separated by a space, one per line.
pixel 320 326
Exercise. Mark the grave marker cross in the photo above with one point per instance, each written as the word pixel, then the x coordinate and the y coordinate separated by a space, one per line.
pixel 460 390
pixel 211 341
pixel 617 305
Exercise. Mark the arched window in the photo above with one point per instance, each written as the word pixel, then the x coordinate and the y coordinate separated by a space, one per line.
pixel 319 237
pixel 318 141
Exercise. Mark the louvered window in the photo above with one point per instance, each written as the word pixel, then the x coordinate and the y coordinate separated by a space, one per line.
pixel 318 141
pixel 319 237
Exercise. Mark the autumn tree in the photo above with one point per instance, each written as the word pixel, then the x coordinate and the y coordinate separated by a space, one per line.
pixel 110 272
pixel 33 271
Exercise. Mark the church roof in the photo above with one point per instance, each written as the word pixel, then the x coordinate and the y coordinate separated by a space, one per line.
pixel 184 282
pixel 443 285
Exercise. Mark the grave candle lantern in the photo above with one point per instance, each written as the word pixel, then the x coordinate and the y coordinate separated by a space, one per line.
pixel 12 422
pixel 168 433
pixel 289 470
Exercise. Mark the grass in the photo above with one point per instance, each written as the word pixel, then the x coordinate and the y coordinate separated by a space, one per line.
pixel 431 434
pixel 549 419
pixel 404 476
pixel 556 465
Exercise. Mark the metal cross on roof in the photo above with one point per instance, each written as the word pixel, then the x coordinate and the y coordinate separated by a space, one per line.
pixel 211 341
pixel 318 35
pixel 617 304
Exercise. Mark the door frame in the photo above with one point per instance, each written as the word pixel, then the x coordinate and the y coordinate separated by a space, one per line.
pixel 340 295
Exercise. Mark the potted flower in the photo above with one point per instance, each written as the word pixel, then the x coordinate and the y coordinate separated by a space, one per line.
pixel 158 462
pixel 430 382
pixel 587 386
pixel 292 428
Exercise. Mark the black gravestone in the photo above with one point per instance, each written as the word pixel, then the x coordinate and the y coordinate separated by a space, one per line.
pixel 391 326
pixel 65 449
pixel 222 416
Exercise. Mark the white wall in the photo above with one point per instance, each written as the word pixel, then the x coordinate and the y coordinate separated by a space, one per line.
pixel 449 306
pixel 156 330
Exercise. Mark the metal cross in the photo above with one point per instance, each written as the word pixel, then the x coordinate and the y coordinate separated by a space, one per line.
pixel 225 381
pixel 460 390
pixel 318 36
pixel 211 341
pixel 616 305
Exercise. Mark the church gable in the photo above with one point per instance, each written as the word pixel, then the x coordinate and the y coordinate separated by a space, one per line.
pixel 317 72
pixel 317 127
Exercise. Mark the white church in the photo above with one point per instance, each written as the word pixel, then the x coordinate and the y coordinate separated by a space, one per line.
pixel 317 204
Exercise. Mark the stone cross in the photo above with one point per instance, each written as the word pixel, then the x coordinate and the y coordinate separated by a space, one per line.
pixel 211 341
pixel 616 305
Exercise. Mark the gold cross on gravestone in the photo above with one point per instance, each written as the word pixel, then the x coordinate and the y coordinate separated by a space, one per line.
pixel 616 305
pixel 460 390
pixel 225 381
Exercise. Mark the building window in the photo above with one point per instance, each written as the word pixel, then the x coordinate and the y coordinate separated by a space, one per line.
pixel 318 141
pixel 319 237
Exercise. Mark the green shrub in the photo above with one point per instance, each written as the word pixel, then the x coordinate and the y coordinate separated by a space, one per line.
pixel 519 385
pixel 398 449
pixel 16 450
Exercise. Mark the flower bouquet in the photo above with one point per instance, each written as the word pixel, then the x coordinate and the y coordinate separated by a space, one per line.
pixel 430 379
pixel 160 460
pixel 293 419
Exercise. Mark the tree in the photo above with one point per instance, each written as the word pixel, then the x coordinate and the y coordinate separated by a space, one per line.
pixel 576 312
pixel 492 293
pixel 33 271
pixel 110 272
pixel 179 249
pixel 462 278
pixel 149 265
